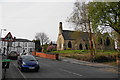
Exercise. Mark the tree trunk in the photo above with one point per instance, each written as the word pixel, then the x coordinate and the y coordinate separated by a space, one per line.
pixel 118 49
pixel 92 50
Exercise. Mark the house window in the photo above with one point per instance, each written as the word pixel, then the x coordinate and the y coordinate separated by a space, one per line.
pixel 18 43
pixel 25 44
pixel 69 44
pixel 4 43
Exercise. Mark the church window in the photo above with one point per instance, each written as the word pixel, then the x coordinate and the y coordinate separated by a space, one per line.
pixel 80 46
pixel 107 41
pixel 69 44
pixel 86 46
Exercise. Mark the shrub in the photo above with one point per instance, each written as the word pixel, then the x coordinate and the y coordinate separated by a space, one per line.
pixel 51 48
pixel 103 58
pixel 68 48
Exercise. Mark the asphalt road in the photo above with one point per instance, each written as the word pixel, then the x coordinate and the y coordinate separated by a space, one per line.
pixel 0 66
pixel 58 69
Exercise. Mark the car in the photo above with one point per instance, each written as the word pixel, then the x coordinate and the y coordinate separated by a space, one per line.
pixel 28 62
pixel 13 55
pixel 23 54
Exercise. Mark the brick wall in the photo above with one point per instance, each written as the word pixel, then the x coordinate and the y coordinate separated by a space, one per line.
pixel 44 55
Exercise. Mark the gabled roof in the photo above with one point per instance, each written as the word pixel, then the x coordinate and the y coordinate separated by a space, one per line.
pixel 69 35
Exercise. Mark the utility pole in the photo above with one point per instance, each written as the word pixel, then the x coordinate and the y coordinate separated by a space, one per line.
pixel 1 39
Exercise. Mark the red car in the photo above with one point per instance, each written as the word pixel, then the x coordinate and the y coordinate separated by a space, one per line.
pixel 13 55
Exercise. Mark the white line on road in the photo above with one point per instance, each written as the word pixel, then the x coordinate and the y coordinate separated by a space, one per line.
pixel 19 71
pixel 71 72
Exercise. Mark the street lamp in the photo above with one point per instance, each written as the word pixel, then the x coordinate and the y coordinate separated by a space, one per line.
pixel 1 32
pixel 1 38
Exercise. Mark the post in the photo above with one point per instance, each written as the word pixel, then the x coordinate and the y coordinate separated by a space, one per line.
pixel 57 56
pixel 7 47
pixel 1 37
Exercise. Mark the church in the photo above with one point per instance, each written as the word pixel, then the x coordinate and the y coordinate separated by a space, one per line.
pixel 76 40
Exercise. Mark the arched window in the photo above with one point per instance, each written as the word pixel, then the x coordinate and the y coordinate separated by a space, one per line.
pixel 69 44
pixel 107 41
pixel 80 46
pixel 86 46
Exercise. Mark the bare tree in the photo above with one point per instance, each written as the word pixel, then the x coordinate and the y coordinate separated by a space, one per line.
pixel 79 17
pixel 42 37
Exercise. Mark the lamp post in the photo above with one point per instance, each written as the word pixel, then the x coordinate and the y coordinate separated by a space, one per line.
pixel 1 38
pixel 1 32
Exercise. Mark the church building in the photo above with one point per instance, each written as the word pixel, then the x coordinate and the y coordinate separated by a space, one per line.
pixel 76 40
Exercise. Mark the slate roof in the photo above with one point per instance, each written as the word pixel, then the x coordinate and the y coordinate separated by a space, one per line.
pixel 22 40
pixel 69 35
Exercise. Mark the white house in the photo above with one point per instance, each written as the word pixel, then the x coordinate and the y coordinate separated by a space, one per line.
pixel 19 45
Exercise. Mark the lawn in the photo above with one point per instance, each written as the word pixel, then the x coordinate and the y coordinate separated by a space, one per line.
pixel 107 52
pixel 71 51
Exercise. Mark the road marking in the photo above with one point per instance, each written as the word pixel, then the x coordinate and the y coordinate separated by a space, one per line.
pixel 19 71
pixel 71 72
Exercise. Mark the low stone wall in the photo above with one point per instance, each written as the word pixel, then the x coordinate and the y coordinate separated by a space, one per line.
pixel 45 55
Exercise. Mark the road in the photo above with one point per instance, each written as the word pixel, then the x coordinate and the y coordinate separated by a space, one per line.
pixel 0 66
pixel 58 69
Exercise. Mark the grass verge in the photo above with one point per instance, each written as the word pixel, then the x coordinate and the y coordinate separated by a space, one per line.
pixel 106 56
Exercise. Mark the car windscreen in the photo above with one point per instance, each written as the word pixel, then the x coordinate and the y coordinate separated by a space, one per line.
pixel 29 58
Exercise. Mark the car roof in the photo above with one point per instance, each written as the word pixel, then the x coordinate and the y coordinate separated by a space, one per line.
pixel 12 52
pixel 27 56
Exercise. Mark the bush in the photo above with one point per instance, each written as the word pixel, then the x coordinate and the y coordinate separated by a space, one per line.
pixel 51 48
pixel 106 56
pixel 103 58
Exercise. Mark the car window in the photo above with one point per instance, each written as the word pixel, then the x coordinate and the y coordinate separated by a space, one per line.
pixel 13 52
pixel 28 58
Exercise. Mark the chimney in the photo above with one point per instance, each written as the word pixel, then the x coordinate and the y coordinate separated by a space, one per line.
pixel 60 28
pixel 14 38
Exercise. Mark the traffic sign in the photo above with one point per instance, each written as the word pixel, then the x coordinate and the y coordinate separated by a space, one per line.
pixel 8 37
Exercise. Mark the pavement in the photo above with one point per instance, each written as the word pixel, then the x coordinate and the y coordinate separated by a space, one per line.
pixel 0 66
pixel 101 66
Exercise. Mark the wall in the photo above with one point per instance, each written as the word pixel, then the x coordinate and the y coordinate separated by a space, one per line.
pixel 44 55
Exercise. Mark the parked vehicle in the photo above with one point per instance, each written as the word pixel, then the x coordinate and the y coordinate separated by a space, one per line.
pixel 13 55
pixel 28 62
pixel 23 54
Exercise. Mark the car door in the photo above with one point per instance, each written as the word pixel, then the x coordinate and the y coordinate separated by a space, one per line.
pixel 20 61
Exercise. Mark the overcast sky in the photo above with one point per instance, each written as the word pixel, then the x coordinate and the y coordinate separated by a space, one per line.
pixel 25 18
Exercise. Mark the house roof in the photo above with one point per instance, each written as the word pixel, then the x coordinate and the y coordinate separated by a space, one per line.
pixel 22 40
pixel 71 35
